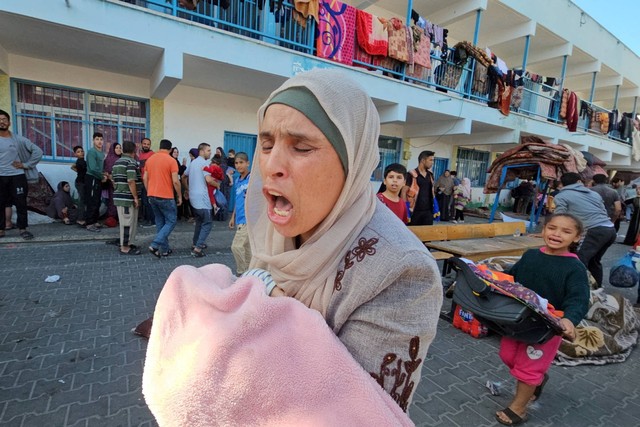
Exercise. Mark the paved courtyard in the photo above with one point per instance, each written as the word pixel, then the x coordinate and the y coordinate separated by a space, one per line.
pixel 68 358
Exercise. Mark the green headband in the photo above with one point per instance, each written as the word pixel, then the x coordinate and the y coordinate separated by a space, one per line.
pixel 303 100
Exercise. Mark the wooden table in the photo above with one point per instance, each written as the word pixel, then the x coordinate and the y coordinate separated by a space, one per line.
pixel 479 249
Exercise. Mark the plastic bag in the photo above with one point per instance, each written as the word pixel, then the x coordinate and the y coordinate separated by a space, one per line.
pixel 624 273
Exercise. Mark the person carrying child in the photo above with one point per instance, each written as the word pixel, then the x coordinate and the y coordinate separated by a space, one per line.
pixel 555 273
pixel 461 196
pixel 389 192
pixel 240 246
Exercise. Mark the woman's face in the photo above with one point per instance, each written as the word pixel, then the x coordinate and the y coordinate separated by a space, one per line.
pixel 218 152
pixel 118 150
pixel 66 187
pixel 302 175
pixel 175 153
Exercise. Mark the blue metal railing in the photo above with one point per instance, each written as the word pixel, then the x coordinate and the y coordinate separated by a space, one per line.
pixel 595 119
pixel 262 20
pixel 258 19
pixel 538 100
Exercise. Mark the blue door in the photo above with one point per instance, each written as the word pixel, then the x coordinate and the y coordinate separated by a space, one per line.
pixel 440 165
pixel 239 142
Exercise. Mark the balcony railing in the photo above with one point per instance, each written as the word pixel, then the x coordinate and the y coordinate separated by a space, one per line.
pixel 273 21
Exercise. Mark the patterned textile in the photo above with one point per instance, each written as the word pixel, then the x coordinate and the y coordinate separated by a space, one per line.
pixel 606 335
pixel 553 160
pixel 336 31
pixel 480 79
pixel 421 48
pixel 417 71
pixel 399 42
pixel 371 35
pixel 39 194
pixel 503 284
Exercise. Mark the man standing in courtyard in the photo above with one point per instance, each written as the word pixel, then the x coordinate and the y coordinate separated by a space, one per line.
pixel 423 210
pixel 195 179
pixel 161 181
pixel 18 160
pixel 145 153
pixel 588 206
pixel 127 183
pixel 93 182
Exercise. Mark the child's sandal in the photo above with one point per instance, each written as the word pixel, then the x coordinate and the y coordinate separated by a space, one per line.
pixel 514 419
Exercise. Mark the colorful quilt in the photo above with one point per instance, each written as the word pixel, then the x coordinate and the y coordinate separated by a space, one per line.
pixel 336 34
pixel 371 34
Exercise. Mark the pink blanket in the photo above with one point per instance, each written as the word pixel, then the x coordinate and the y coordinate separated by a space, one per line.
pixel 223 353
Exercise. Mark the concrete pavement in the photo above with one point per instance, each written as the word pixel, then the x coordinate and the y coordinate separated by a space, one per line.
pixel 68 358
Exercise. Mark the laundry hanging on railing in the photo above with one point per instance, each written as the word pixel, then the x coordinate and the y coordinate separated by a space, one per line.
pixel 569 109
pixel 336 31
pixel 371 34
pixel 303 9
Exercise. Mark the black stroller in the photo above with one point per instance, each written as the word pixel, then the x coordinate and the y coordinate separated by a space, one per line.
pixel 505 315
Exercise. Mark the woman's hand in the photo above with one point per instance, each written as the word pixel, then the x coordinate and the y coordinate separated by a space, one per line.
pixel 569 329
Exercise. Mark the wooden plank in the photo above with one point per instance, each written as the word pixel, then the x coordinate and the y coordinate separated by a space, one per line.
pixel 477 249
pixel 470 231
pixel 428 233
pixel 439 255
pixel 508 228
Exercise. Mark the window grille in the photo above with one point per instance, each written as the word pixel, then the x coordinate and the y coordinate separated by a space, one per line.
pixel 58 118
pixel 473 164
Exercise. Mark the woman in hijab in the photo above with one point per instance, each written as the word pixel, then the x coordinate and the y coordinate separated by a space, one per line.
pixel 115 152
pixel 61 205
pixel 320 241
pixel 444 190
pixel 315 224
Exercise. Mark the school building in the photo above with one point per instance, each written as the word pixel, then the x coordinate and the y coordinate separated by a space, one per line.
pixel 164 69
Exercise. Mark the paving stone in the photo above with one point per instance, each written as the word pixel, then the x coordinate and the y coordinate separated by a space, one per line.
pixel 83 411
pixel 55 418
pixel 19 408
pixel 120 419
pixel 119 386
pixel 88 315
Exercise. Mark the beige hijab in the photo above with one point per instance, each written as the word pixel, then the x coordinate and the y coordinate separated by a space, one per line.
pixel 308 273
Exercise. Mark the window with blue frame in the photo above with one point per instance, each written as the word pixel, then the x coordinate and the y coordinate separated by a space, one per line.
pixel 473 164
pixel 440 164
pixel 57 118
pixel 389 148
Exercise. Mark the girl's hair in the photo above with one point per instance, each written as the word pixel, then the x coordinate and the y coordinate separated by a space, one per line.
pixel 573 247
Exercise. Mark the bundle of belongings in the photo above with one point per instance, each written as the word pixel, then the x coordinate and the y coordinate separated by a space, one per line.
pixel 260 361
pixel 505 306
pixel 608 332
pixel 552 160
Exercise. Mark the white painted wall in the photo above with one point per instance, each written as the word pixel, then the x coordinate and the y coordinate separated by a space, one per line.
pixel 193 115
pixel 42 71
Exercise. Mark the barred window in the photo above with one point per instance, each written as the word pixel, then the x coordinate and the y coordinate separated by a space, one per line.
pixel 389 149
pixel 57 118
pixel 473 164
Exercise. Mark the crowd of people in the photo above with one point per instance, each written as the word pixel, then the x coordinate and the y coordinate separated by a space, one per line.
pixel 316 232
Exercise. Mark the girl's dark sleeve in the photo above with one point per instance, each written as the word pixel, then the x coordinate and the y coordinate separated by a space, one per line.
pixel 576 302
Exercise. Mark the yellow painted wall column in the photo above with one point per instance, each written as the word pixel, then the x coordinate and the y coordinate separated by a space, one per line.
pixel 5 93
pixel 156 118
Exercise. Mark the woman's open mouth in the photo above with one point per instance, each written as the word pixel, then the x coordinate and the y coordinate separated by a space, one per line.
pixel 280 208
